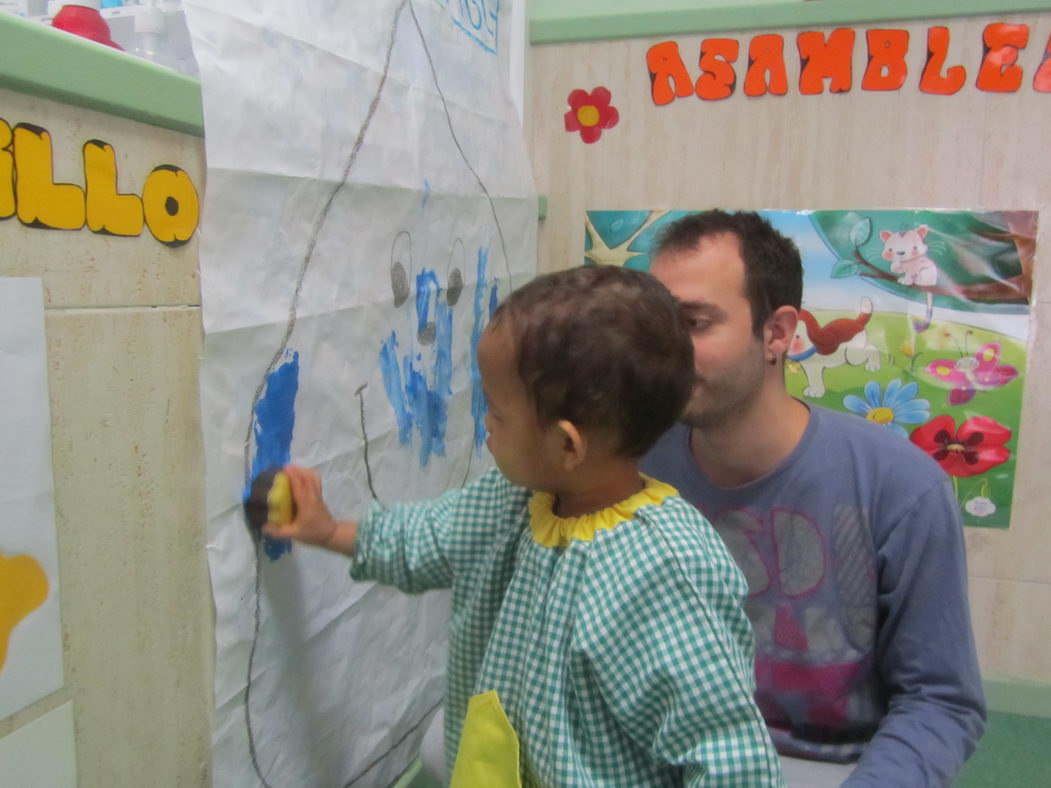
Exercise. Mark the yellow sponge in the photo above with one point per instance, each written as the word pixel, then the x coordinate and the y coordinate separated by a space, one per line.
pixel 269 500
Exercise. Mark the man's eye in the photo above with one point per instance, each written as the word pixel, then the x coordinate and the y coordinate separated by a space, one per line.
pixel 699 323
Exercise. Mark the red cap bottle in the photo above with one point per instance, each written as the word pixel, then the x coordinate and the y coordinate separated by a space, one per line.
pixel 82 18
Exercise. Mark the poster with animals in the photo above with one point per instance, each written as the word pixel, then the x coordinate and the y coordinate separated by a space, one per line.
pixel 915 320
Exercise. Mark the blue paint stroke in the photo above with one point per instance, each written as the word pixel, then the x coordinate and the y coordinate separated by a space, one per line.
pixel 479 406
pixel 443 362
pixel 415 401
pixel 427 287
pixel 392 385
pixel 442 388
pixel 273 423
pixel 425 404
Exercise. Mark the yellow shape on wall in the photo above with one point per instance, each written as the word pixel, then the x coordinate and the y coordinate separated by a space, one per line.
pixel 25 588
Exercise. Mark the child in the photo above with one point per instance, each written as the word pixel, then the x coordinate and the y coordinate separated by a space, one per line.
pixel 596 636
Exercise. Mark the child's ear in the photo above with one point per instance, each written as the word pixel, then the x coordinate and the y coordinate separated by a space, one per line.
pixel 571 445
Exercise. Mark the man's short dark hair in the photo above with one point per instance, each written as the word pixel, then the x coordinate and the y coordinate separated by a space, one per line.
pixel 772 267
pixel 602 347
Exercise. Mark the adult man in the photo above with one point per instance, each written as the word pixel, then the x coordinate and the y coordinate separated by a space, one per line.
pixel 849 536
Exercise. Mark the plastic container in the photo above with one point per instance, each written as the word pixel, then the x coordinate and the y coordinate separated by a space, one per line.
pixel 83 19
pixel 151 42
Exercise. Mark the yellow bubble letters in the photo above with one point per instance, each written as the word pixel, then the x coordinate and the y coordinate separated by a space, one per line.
pixel 7 173
pixel 41 201
pixel 169 205
pixel 107 210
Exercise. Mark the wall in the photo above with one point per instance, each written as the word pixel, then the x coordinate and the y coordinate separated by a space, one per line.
pixel 122 319
pixel 856 149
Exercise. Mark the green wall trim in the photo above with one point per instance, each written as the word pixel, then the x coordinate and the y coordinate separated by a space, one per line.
pixel 42 61
pixel 552 21
pixel 1017 696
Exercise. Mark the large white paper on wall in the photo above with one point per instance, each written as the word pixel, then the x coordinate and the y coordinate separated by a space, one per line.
pixel 368 201
pixel 30 626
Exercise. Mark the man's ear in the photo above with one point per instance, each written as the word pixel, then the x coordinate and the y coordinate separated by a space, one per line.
pixel 780 328
pixel 569 444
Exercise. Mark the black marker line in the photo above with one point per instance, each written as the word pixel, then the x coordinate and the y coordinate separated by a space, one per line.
pixel 507 265
pixel 365 437
pixel 394 746
pixel 317 232
pixel 251 658
pixel 481 185
pixel 456 142
pixel 277 357
pixel 401 295
pixel 291 325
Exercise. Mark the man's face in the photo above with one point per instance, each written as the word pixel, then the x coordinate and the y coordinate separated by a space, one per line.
pixel 729 360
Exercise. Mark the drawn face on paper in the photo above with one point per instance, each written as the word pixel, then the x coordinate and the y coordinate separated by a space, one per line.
pixel 417 376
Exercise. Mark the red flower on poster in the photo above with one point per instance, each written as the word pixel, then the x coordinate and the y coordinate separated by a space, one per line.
pixel 590 113
pixel 974 448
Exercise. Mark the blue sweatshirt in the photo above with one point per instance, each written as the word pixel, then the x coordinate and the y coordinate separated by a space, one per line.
pixel 854 554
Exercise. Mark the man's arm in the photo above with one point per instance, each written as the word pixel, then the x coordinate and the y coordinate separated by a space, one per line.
pixel 924 650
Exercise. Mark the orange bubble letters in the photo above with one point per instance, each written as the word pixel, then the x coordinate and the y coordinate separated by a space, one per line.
pixel 932 80
pixel 666 67
pixel 886 68
pixel 718 78
pixel 822 59
pixel 826 64
pixel 766 66
pixel 999 73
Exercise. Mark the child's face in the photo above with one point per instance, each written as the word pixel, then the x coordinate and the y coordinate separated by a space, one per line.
pixel 516 437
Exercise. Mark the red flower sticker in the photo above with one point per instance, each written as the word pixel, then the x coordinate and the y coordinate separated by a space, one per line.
pixel 590 113
pixel 974 448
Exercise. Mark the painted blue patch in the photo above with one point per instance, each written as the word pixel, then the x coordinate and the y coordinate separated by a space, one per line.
pixel 273 423
pixel 390 367
pixel 479 406
pixel 427 289
pixel 443 342
pixel 415 401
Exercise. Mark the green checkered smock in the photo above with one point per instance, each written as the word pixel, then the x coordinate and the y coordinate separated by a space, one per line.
pixel 625 660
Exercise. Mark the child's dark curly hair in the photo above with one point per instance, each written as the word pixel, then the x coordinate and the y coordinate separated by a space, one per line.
pixel 602 347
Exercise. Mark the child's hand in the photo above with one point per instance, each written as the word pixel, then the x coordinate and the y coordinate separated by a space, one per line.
pixel 313 523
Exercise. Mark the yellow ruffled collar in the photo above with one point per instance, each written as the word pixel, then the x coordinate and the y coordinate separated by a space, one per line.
pixel 550 530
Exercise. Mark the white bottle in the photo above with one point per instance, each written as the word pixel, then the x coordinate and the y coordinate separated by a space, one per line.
pixel 150 40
